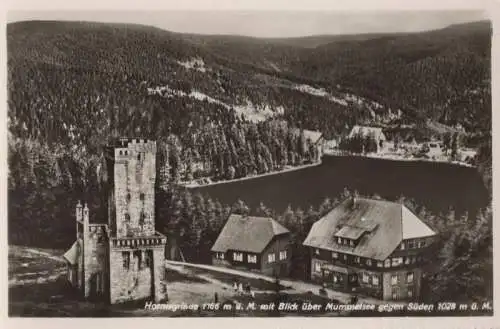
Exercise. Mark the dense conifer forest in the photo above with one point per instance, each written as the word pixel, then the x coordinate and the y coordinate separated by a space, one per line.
pixel 227 108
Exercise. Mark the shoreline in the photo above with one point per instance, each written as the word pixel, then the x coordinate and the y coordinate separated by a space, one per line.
pixel 191 186
pixel 286 170
pixel 381 157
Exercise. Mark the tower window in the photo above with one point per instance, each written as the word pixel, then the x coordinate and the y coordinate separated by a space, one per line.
pixel 126 152
pixel 139 156
pixel 126 259
pixel 121 153
pixel 141 219
pixel 138 256
pixel 128 197
pixel 127 217
pixel 141 196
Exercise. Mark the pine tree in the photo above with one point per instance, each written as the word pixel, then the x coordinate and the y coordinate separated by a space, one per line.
pixel 240 208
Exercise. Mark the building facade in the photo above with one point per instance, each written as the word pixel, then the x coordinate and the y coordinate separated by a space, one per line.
pixel 253 243
pixel 122 260
pixel 373 247
pixel 374 132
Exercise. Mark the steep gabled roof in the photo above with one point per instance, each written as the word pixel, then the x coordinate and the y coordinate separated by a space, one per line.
pixel 71 256
pixel 247 233
pixel 379 225
pixel 312 135
pixel 413 227
pixel 365 131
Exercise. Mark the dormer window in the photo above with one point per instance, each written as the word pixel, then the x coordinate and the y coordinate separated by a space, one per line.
pixel 402 246
pixel 316 251
pixel 351 243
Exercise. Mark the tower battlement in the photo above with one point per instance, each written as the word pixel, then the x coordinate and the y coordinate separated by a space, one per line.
pixel 129 148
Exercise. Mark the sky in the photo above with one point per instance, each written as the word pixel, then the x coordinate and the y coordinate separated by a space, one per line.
pixel 268 23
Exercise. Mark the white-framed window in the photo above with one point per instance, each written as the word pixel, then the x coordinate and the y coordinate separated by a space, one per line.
pixel 411 244
pixel 252 258
pixel 271 258
pixel 316 251
pixel 380 264
pixel 335 255
pixel 387 263
pixel 335 279
pixel 357 260
pixel 283 255
pixel 238 256
pixel 407 260
pixel 410 293
pixel 351 242
pixel 339 240
pixel 402 246
pixel 369 262
pixel 394 279
pixel 421 243
pixel 375 280
pixel 409 277
pixel 345 257
pixel 317 267
pixel 397 261
pixel 365 278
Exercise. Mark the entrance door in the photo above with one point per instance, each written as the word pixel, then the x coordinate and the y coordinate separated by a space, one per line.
pixel 353 282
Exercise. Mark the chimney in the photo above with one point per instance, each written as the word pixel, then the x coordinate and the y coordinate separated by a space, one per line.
pixel 354 199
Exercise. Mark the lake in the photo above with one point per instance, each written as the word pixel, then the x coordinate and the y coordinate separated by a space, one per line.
pixel 437 186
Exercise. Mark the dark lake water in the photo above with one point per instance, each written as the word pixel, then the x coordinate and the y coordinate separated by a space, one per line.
pixel 437 186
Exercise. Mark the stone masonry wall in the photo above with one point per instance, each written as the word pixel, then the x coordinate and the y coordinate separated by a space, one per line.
pixel 134 178
pixel 95 260
pixel 133 283
pixel 160 288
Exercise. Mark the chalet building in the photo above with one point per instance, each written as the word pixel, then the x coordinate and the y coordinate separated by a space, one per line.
pixel 316 138
pixel 253 243
pixel 120 256
pixel 374 247
pixel 370 131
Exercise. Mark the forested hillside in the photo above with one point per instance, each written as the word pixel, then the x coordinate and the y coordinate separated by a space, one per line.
pixel 224 107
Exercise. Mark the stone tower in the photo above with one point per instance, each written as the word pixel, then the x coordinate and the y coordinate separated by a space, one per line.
pixel 122 260
pixel 136 254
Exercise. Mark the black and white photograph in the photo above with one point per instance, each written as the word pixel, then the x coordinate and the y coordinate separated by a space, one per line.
pixel 246 163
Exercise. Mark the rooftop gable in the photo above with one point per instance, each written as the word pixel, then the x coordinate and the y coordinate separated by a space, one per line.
pixel 247 233
pixel 413 227
pixel 379 225
pixel 313 135
pixel 365 131
pixel 71 256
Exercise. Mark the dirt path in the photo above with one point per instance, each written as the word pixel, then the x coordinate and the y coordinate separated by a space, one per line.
pixel 298 286
pixel 208 278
